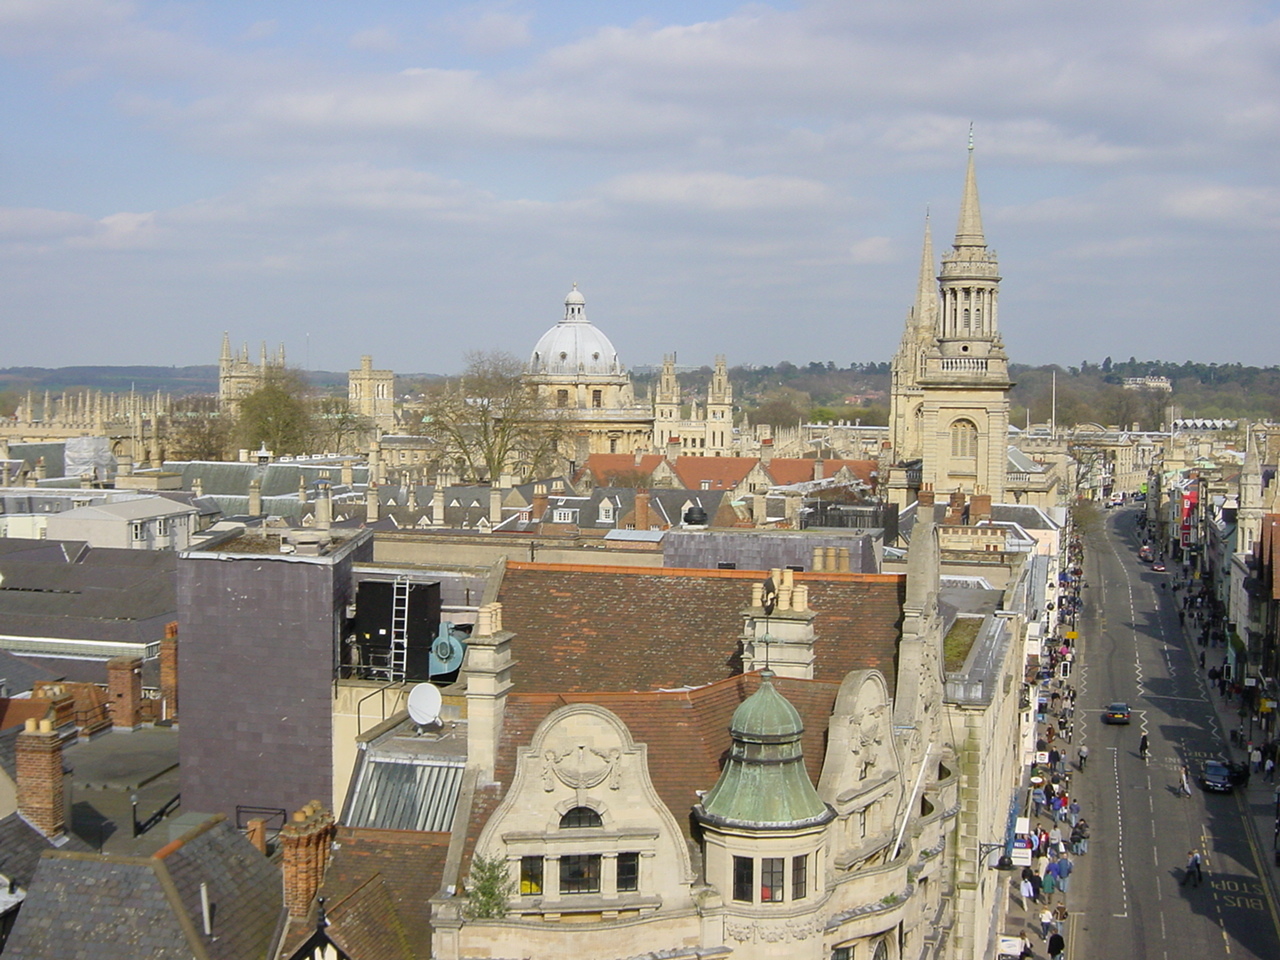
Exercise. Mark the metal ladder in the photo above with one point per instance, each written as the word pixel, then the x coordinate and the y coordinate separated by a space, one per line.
pixel 399 627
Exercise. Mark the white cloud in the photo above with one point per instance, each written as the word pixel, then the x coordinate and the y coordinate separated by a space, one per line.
pixel 487 32
pixel 714 191
pixel 375 39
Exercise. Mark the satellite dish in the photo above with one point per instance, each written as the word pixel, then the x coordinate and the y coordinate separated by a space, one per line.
pixel 424 704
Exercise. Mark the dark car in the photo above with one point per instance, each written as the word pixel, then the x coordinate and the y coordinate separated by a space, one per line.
pixel 1218 777
pixel 1116 713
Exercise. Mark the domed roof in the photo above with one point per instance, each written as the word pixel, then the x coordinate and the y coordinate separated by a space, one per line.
pixel 575 347
pixel 766 715
pixel 764 783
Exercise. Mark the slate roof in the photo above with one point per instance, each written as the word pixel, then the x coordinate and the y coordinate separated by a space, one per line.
pixel 20 674
pixel 605 628
pixel 103 907
pixel 22 844
pixel 88 594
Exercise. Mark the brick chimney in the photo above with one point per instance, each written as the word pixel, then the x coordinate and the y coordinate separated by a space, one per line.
pixel 924 498
pixel 124 691
pixel 641 520
pixel 539 507
pixel 955 507
pixel 980 507
pixel 305 842
pixel 488 673
pixel 40 781
pixel 169 671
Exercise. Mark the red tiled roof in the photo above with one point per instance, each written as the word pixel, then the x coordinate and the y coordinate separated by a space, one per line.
pixel 14 713
pixel 608 628
pixel 604 466
pixel 378 888
pixel 789 470
pixel 722 473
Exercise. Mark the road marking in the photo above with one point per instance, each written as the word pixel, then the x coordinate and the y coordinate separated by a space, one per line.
pixel 1124 882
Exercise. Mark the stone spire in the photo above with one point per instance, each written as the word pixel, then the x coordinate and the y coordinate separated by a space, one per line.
pixel 969 229
pixel 924 312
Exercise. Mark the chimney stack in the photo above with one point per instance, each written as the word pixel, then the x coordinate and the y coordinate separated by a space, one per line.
pixel 255 497
pixel 925 497
pixel 324 507
pixel 169 671
pixel 40 781
pixel 766 451
pixel 437 501
pixel 305 841
pixel 495 504
pixel 488 671
pixel 673 448
pixel 539 502
pixel 124 692
pixel 819 469
pixel 980 507
pixel 642 520
pixel 371 504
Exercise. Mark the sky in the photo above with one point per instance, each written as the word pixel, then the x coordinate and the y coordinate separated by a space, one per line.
pixel 418 180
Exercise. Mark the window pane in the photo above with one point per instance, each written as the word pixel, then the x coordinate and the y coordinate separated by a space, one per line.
pixel 628 871
pixel 580 873
pixel 771 879
pixel 800 877
pixel 580 817
pixel 530 875
pixel 743 880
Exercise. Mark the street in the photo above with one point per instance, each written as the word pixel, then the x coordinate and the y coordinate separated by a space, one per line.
pixel 1132 901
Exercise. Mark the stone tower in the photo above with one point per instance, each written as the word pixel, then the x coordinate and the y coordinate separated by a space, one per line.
pixel 951 387
pixel 720 407
pixel 666 403
pixel 372 393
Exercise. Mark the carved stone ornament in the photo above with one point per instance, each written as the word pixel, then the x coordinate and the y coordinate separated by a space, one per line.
pixel 744 931
pixel 582 767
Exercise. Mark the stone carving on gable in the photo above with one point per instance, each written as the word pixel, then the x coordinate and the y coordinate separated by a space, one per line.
pixel 773 931
pixel 581 767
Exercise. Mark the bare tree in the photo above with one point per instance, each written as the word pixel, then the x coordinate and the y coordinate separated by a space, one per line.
pixel 278 415
pixel 490 420
pixel 198 429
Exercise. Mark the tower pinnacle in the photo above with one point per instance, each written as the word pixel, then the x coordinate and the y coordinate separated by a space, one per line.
pixel 969 230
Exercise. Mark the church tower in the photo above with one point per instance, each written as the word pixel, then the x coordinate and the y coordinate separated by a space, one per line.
pixel 666 403
pixel 952 412
pixel 720 408
pixel 908 363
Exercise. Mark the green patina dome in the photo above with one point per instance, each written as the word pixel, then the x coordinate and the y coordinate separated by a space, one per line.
pixel 764 782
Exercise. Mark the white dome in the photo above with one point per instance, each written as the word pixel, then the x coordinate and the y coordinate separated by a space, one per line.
pixel 574 346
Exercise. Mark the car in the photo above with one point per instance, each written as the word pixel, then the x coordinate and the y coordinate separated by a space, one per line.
pixel 1116 713
pixel 1158 567
pixel 1145 553
pixel 1218 777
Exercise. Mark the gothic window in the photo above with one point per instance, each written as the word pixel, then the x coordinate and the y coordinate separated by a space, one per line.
pixel 882 951
pixel 580 817
pixel 964 439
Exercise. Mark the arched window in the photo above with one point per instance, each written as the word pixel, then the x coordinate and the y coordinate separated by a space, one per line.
pixel 964 438
pixel 580 817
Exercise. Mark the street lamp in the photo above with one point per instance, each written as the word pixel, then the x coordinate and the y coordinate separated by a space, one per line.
pixel 1004 863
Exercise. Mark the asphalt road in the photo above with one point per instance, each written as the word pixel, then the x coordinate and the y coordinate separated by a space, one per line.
pixel 1128 899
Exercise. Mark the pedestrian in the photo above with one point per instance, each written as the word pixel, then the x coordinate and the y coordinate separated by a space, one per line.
pixel 1027 891
pixel 1184 787
pixel 1082 829
pixel 1083 757
pixel 1144 747
pixel 1065 866
pixel 1049 885
pixel 1057 945
pixel 1255 757
pixel 1026 953
pixel 1046 922
pixel 1193 868
pixel 1037 800
pixel 1201 659
pixel 1037 886
pixel 1269 765
pixel 1060 917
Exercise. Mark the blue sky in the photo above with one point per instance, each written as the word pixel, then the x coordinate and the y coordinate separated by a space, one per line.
pixel 417 180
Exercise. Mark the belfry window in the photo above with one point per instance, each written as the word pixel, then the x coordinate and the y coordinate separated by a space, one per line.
pixel 964 439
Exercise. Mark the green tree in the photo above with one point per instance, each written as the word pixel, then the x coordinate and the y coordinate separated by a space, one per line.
pixel 491 420
pixel 489 887
pixel 278 415
pixel 336 427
